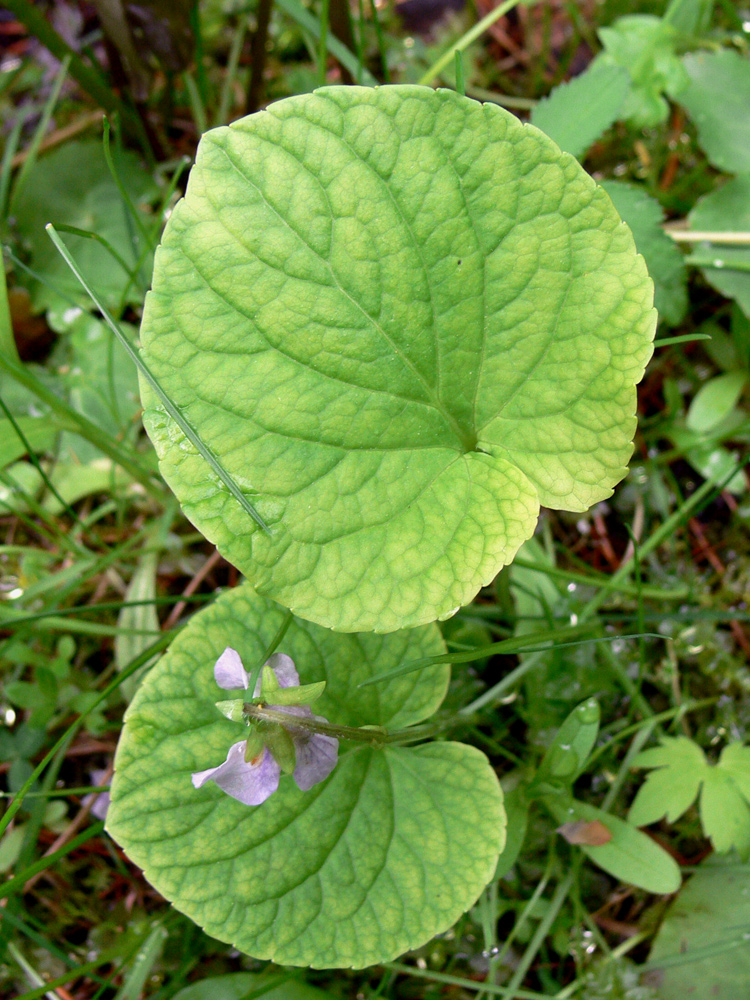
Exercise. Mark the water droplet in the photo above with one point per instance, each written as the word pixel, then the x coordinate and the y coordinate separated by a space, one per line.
pixel 71 314
pixel 588 712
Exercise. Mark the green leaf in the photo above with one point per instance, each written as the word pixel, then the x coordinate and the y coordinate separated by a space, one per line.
pixel 735 761
pixel 11 846
pixel 72 186
pixel 726 209
pixel 672 789
pixel 39 432
pixel 714 401
pixel 138 622
pixel 577 113
pixel 403 321
pixel 630 855
pixel 517 813
pixel 702 943
pixel 665 263
pixel 718 99
pixel 725 816
pixel 573 743
pixel 644 45
pixel 682 771
pixel 373 861
pixel 238 985
pixel 101 380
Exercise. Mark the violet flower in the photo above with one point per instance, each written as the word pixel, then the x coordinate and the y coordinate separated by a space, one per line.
pixel 251 782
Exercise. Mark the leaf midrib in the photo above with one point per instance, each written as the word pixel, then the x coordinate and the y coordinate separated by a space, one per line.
pixel 466 439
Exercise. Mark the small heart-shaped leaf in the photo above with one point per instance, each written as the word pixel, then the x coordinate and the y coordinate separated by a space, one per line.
pixel 380 857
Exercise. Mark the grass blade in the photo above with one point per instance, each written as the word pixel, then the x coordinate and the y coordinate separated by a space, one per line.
pixel 465 41
pixel 39 131
pixel 178 417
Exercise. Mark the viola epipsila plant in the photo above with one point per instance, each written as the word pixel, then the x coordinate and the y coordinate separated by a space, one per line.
pixel 401 321
pixel 315 435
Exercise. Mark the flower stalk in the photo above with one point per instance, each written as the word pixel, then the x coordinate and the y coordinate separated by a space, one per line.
pixel 374 736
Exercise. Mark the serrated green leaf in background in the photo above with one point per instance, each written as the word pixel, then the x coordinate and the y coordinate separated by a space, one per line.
pixel 577 113
pixel 718 100
pixel 680 772
pixel 644 45
pixel 673 785
pixel 665 262
pixel 725 815
pixel 403 321
pixel 703 938
pixel 72 186
pixel 726 209
pixel 630 855
pixel 380 857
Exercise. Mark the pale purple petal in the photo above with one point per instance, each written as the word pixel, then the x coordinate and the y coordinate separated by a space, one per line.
pixel 249 783
pixel 285 670
pixel 301 711
pixel 98 801
pixel 316 758
pixel 229 672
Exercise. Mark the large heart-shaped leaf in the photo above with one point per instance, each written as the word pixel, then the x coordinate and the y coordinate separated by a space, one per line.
pixel 403 320
pixel 386 853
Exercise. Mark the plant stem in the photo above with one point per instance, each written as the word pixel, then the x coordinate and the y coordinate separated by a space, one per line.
pixel 374 737
pixel 253 680
pixel 258 56
pixel 465 41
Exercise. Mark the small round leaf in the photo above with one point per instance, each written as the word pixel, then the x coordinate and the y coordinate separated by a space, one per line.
pixel 402 320
pixel 377 859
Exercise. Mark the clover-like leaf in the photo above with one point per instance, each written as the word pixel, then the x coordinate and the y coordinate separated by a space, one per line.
pixel 681 772
pixel 725 815
pixel 403 320
pixel 385 853
pixel 672 787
